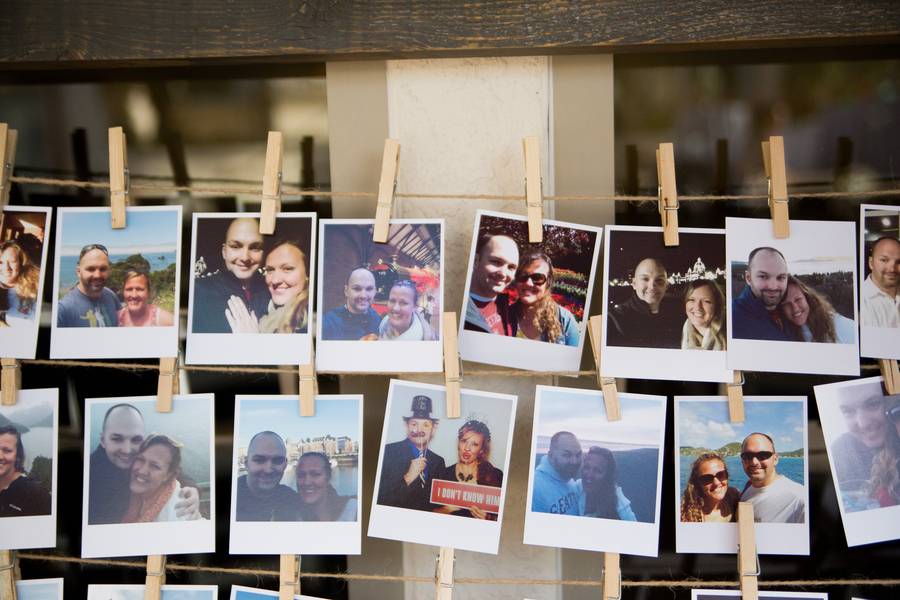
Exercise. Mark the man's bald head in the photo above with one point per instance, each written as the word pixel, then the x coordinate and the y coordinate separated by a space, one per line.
pixel 122 434
pixel 767 276
pixel 243 248
pixel 266 462
pixel 650 282
pixel 359 291
pixel 494 268
pixel 884 265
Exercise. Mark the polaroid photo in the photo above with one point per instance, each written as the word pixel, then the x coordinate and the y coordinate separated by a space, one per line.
pixel 785 293
pixel 40 589
pixel 861 425
pixel 116 291
pixel 594 483
pixel 718 464
pixel 713 594
pixel 167 592
pixel 442 481
pixel 149 477
pixel 244 284
pixel 374 295
pixel 526 305
pixel 879 286
pixel 296 481
pixel 23 261
pixel 28 456
pixel 240 592
pixel 664 307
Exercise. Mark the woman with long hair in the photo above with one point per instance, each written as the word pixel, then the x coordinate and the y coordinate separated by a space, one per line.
pixel 319 501
pixel 704 307
pixel 601 497
pixel 20 495
pixel 535 314
pixel 884 480
pixel 814 316
pixel 473 465
pixel 707 495
pixel 154 482
pixel 138 310
pixel 403 320
pixel 19 279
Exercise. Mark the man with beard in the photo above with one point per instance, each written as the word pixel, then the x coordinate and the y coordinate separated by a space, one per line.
pixel 260 493
pixel 90 303
pixel 755 313
pixel 487 308
pixel 555 490
pixel 409 466
pixel 355 319
pixel 880 292
pixel 775 498
pixel 863 411
pixel 647 319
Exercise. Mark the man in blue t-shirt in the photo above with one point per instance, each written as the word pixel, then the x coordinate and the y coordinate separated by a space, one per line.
pixel 555 491
pixel 90 303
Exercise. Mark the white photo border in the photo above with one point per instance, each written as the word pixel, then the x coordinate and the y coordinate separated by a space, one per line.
pixel 99 591
pixel 236 589
pixel 22 586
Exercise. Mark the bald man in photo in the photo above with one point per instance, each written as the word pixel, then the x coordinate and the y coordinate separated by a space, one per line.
pixel 648 319
pixel 755 312
pixel 880 292
pixel 355 319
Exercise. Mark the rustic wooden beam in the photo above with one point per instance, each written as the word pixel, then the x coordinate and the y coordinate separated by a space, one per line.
pixel 36 34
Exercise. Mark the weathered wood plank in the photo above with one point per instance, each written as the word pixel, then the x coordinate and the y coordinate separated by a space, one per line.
pixel 38 34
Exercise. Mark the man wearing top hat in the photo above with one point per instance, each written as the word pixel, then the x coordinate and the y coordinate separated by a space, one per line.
pixel 409 466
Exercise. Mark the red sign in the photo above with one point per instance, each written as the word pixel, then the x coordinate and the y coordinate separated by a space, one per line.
pixel 465 495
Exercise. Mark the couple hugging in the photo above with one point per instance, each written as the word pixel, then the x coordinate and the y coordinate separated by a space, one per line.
pixel 262 289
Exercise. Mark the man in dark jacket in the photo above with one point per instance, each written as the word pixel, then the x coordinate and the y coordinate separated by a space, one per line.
pixel 755 313
pixel 647 319
pixel 408 467
pixel 260 494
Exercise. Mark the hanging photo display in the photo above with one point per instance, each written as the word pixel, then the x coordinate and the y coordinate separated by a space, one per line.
pixel 296 481
pixel 793 300
pixel 240 592
pixel 380 304
pixel 28 465
pixel 664 307
pixel 116 291
pixel 526 305
pixel 167 592
pixel 718 464
pixel 443 481
pixel 879 287
pixel 861 424
pixel 594 483
pixel 149 485
pixel 39 589
pixel 250 294
pixel 24 239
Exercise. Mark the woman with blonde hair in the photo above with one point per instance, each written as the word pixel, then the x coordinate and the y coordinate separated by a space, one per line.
pixel 704 307
pixel 138 310
pixel 154 485
pixel 707 496
pixel 536 315
pixel 19 279
pixel 814 316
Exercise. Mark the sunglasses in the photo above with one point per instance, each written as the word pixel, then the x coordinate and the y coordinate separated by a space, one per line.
pixel 277 461
pixel 536 278
pixel 90 247
pixel 760 456
pixel 708 479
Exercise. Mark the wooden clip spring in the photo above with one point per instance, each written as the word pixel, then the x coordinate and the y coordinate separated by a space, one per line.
pixel 891 375
pixel 9 573
pixel 776 174
pixel 386 186
pixel 10 381
pixel 8 138
pixel 308 386
pixel 736 398
pixel 288 576
pixel 452 378
pixel 167 385
pixel 612 576
pixel 119 181
pixel 668 193
pixel 748 559
pixel 443 574
pixel 534 198
pixel 607 384
pixel 270 204
pixel 156 576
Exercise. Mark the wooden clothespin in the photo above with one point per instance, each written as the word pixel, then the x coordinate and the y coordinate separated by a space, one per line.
pixel 776 174
pixel 452 378
pixel 168 383
pixel 443 574
pixel 891 375
pixel 534 198
pixel 668 193
pixel 271 190
pixel 308 386
pixel 736 398
pixel 156 576
pixel 607 384
pixel 9 572
pixel 288 576
pixel 612 576
pixel 119 181
pixel 390 160
pixel 8 138
pixel 10 381
pixel 748 559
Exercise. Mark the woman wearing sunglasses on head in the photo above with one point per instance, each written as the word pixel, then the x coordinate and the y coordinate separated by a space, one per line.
pixel 707 495
pixel 536 315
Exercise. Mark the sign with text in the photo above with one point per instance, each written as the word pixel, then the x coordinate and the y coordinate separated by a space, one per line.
pixel 466 495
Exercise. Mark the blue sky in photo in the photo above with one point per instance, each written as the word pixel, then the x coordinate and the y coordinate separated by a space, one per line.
pixel 44 590
pixel 706 424
pixel 333 417
pixel 136 592
pixel 151 231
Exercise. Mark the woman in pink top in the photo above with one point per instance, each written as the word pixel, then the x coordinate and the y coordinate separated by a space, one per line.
pixel 138 312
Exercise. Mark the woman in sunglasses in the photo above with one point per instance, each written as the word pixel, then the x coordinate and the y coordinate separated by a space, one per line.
pixel 707 495
pixel 536 315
